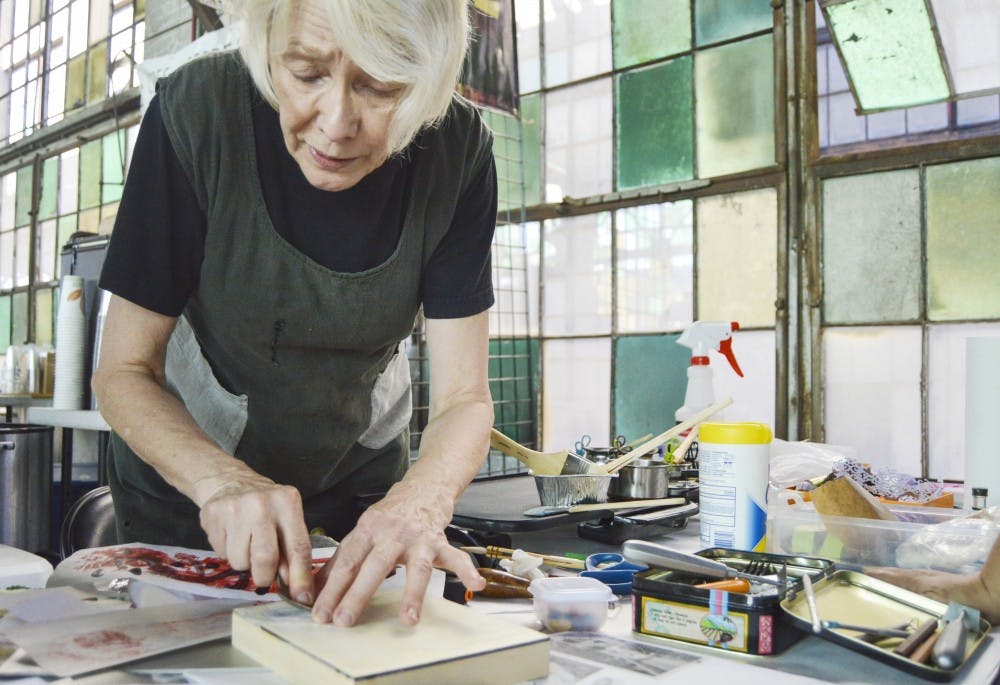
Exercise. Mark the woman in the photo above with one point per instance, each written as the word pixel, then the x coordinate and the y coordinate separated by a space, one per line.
pixel 288 211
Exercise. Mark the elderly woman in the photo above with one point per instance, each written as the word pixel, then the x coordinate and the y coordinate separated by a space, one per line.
pixel 289 210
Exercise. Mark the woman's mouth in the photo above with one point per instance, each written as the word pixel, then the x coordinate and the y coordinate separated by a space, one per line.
pixel 327 162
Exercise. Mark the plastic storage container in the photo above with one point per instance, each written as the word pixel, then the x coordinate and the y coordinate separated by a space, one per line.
pixel 571 602
pixel 923 537
pixel 22 569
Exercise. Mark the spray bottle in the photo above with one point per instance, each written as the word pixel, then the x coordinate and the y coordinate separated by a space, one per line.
pixel 702 336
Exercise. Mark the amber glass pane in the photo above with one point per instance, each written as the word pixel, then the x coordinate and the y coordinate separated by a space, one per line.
pixel 735 107
pixel 97 73
pixel 871 248
pixel 76 82
pixel 43 317
pixel 140 8
pixel 22 206
pixel 90 174
pixel 963 243
pixel 654 141
pixel 50 188
pixel 113 167
pixel 717 20
pixel 645 30
pixel 737 238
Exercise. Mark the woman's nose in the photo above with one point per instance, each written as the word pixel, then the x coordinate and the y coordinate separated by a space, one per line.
pixel 338 116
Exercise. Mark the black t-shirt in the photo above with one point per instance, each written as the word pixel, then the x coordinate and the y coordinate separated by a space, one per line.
pixel 155 255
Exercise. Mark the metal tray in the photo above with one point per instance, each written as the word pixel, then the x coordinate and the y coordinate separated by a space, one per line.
pixel 851 597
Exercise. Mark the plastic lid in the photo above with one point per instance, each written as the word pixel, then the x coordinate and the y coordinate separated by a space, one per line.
pixel 570 589
pixel 980 492
pixel 746 433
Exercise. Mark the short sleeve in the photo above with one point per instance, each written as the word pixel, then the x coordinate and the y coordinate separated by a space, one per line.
pixel 458 279
pixel 156 249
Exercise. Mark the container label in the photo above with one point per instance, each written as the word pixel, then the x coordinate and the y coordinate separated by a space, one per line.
pixel 732 495
pixel 713 626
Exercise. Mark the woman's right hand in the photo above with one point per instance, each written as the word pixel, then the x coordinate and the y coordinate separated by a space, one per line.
pixel 258 525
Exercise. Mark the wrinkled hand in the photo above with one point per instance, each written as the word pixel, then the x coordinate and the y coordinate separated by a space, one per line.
pixel 406 527
pixel 969 590
pixel 259 526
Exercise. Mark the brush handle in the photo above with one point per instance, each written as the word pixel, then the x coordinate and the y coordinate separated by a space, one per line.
pixel 652 554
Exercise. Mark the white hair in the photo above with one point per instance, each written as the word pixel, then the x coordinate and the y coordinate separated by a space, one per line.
pixel 417 43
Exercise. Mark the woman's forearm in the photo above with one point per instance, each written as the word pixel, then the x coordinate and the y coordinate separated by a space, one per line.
pixel 158 428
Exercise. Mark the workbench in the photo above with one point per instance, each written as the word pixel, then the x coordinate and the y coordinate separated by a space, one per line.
pixel 810 661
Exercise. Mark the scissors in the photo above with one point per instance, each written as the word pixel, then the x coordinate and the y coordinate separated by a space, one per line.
pixel 613 570
pixel 582 444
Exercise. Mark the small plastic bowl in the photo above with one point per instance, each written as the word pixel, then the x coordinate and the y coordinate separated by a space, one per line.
pixel 571 602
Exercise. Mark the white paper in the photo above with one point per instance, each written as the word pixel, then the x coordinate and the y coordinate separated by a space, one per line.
pixel 89 643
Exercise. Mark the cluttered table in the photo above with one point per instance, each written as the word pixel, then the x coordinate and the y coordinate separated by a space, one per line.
pixel 613 655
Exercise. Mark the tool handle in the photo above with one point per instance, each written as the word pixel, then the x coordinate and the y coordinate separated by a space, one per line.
pixel 949 650
pixel 652 554
pixel 628 504
pixel 615 465
pixel 917 637
pixel 501 442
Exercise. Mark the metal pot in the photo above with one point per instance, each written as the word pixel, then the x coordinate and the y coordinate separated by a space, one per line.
pixel 644 478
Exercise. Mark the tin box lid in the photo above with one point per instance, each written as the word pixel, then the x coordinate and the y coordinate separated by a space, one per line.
pixel 570 589
pixel 847 596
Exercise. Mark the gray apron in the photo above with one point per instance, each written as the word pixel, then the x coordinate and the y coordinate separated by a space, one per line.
pixel 297 370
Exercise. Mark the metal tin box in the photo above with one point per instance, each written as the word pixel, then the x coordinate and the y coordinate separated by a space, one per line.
pixel 852 597
pixel 665 603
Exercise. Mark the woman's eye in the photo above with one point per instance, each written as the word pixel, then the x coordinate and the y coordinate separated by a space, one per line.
pixel 306 77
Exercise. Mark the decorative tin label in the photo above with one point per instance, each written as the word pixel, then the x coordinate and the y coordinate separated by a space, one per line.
pixel 713 625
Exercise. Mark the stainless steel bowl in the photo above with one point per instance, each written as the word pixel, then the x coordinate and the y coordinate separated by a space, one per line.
pixel 642 479
pixel 565 491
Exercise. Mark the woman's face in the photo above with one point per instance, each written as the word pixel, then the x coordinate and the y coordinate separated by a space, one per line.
pixel 334 117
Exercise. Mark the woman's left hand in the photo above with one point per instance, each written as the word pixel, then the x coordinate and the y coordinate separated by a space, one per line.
pixel 406 527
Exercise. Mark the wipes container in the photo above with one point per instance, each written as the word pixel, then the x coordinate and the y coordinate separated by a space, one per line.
pixel 733 479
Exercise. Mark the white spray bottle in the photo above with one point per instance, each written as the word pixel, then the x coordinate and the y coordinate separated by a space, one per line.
pixel 702 336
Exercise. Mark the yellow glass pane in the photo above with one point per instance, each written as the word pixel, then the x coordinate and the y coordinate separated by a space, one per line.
pixel 76 81
pixel 97 73
pixel 140 8
pixel 963 243
pixel 90 220
pixel 43 317
pixel 737 240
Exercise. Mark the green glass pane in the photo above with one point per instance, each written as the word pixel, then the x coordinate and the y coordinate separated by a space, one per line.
pixel 507 157
pixel 22 204
pixel 871 248
pixel 513 373
pixel 50 188
pixel 531 135
pixel 646 30
pixel 43 317
pixel 735 108
pixel 90 174
pixel 963 243
pixel 737 257
pixel 113 167
pixel 97 72
pixel 76 82
pixel 650 379
pixel 19 319
pixel 717 20
pixel 654 121
pixel 66 228
pixel 4 323
pixel 889 51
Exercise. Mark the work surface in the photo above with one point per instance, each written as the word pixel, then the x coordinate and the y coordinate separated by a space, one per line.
pixel 615 656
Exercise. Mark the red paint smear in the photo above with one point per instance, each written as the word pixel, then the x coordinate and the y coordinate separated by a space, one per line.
pixel 190 568
pixel 106 638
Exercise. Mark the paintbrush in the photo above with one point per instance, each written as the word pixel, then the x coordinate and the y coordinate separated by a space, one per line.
pixel 494 552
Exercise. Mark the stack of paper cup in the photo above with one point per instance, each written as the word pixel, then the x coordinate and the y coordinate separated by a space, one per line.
pixel 71 345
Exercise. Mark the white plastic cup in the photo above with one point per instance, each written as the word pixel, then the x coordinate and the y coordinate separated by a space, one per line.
pixel 733 463
pixel 71 343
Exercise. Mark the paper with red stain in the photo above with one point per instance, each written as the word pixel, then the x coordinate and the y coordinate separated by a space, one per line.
pixel 83 644
pixel 192 572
